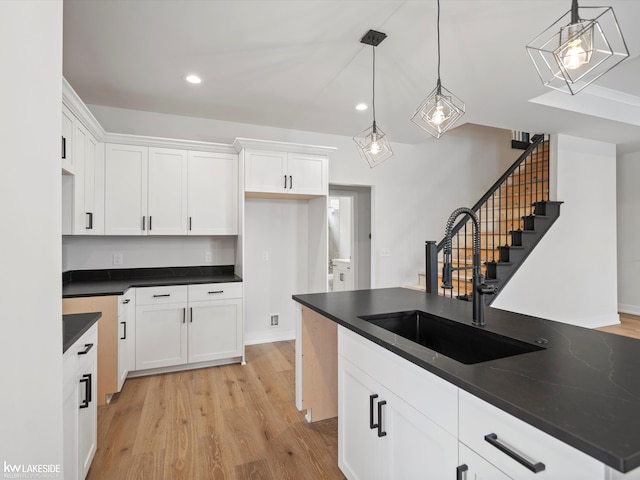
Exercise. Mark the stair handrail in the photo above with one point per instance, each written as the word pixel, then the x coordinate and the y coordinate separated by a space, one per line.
pixel 535 141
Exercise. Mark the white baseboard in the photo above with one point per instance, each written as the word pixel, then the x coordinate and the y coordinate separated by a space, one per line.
pixel 630 309
pixel 268 337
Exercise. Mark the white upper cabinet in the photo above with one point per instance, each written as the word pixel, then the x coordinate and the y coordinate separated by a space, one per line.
pixel 126 171
pixel 167 190
pixel 82 179
pixel 265 171
pixel 285 173
pixel 283 170
pixel 66 147
pixel 212 193
pixel 307 173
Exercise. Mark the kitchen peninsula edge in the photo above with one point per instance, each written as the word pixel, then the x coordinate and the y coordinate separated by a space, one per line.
pixel 582 388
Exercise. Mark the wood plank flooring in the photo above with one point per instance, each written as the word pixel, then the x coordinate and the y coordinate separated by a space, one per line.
pixel 229 422
pixel 629 326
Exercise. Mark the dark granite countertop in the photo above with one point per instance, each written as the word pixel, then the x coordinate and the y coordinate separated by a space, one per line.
pixel 74 325
pixel 95 283
pixel 583 388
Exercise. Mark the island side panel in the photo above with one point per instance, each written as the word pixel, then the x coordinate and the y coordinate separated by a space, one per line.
pixel 107 338
pixel 319 372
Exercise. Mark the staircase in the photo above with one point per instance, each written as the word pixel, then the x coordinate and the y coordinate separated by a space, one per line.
pixel 514 215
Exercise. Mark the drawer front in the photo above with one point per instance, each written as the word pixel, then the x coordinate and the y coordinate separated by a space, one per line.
pixel 553 458
pixel 214 291
pixel 430 395
pixel 161 295
pixel 126 301
pixel 72 363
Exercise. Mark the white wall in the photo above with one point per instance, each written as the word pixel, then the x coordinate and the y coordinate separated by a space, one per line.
pixel 571 275
pixel 89 252
pixel 275 265
pixel 413 192
pixel 30 198
pixel 628 178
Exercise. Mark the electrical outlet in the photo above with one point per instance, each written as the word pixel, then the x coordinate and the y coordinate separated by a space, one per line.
pixel 385 252
pixel 274 320
pixel 117 258
pixel 265 255
pixel 208 257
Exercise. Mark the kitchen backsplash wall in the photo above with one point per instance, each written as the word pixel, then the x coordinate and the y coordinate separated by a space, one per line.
pixel 87 253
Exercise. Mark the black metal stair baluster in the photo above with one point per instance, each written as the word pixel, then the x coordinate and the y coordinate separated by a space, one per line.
pixel 465 256
pixel 539 172
pixel 530 183
pixel 519 197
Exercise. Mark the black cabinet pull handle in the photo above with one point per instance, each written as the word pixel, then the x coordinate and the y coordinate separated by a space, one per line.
pixel 285 181
pixel 380 405
pixel 162 295
pixel 150 222
pixel 290 182
pixel 191 314
pixel 89 221
pixel 124 333
pixel 460 469
pixel 215 291
pixel 184 315
pixel 144 222
pixel 124 302
pixel 189 223
pixel 86 379
pixel 371 400
pixel 87 347
pixel 492 438
pixel 64 147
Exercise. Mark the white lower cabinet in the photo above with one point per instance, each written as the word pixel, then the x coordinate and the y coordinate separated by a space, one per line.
pixel 80 414
pixel 126 335
pixel 389 425
pixel 383 437
pixel 187 324
pixel 161 327
pixel 215 322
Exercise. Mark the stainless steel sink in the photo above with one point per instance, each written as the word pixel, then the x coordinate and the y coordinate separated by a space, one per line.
pixel 464 343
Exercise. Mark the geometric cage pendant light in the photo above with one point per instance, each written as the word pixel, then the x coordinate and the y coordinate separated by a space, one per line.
pixel 580 47
pixel 441 109
pixel 373 144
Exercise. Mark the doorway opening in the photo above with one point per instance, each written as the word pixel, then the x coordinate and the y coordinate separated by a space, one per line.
pixel 349 227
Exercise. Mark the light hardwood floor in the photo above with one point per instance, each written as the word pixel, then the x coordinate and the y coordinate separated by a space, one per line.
pixel 629 326
pixel 229 422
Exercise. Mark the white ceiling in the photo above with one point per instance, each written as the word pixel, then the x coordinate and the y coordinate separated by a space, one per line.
pixel 299 63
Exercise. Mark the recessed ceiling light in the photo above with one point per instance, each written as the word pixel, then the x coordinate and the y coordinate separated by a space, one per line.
pixel 192 78
pixel 362 106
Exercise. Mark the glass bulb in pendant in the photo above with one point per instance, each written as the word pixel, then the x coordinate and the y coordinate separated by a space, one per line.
pixel 438 116
pixel 575 56
pixel 374 148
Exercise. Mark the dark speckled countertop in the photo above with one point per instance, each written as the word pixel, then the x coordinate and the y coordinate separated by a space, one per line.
pixel 74 325
pixel 583 388
pixel 95 283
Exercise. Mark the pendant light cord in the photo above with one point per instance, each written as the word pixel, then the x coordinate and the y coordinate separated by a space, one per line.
pixel 438 33
pixel 373 89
